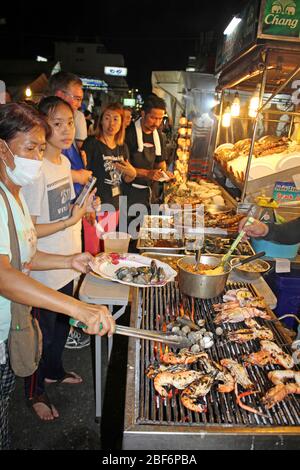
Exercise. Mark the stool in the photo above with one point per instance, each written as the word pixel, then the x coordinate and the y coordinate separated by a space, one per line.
pixel 95 290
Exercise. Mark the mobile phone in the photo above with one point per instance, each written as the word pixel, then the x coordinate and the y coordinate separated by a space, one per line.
pixel 85 191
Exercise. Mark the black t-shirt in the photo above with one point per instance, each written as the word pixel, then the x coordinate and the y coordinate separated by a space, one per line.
pixel 100 160
pixel 147 158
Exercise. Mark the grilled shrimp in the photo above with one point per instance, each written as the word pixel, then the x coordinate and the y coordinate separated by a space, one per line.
pixel 282 387
pixel 274 395
pixel 277 355
pixel 255 332
pixel 238 372
pixel 239 314
pixel 183 357
pixel 259 358
pixel 154 369
pixel 192 397
pixel 282 376
pixel 178 380
pixel 221 375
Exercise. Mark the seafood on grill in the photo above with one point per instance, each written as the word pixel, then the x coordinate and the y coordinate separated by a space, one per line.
pixel 178 380
pixel 283 387
pixel 193 397
pixel 142 275
pixel 154 369
pixel 238 372
pixel 183 357
pixel 221 374
pixel 239 314
pixel 255 331
pixel 237 295
pixel 256 302
pixel 269 353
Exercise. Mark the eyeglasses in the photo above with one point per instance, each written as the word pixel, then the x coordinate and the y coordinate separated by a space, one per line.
pixel 79 99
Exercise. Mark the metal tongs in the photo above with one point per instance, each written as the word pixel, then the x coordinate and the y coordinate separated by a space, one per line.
pixel 150 335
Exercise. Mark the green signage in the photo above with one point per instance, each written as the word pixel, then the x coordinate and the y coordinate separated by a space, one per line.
pixel 281 18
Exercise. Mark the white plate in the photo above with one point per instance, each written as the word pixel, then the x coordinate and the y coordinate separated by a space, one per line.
pixel 261 170
pixel 106 266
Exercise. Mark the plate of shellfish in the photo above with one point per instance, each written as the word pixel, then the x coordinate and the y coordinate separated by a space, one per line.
pixel 132 269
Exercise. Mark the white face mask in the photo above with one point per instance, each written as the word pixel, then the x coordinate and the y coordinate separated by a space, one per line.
pixel 26 170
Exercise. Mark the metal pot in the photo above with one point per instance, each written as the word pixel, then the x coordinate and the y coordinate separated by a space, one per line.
pixel 202 286
pixel 206 286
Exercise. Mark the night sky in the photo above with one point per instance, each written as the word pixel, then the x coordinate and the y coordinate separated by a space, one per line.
pixel 152 35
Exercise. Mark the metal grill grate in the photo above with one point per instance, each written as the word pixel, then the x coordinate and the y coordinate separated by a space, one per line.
pixel 159 307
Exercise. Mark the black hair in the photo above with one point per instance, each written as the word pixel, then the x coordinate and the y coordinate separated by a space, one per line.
pixel 19 117
pixel 61 81
pixel 48 105
pixel 153 101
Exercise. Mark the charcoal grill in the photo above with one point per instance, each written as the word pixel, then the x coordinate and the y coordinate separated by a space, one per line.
pixel 153 422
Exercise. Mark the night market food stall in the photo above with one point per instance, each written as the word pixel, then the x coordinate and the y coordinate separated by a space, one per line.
pixel 237 386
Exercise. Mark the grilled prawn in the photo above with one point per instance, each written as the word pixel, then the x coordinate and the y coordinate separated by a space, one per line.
pixel 221 375
pixel 178 380
pixel 183 357
pixel 282 388
pixel 238 372
pixel 239 314
pixel 192 397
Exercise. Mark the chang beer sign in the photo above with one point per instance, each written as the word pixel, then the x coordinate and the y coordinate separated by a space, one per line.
pixel 280 19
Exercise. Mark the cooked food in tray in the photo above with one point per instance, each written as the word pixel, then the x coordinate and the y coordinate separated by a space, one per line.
pixel 158 222
pixel 193 193
pixel 267 145
pixel 160 243
pixel 213 245
pixel 268 152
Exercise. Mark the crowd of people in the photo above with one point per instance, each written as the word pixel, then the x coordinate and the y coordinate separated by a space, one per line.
pixel 48 152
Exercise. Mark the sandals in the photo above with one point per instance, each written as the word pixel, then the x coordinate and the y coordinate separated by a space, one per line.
pixel 64 379
pixel 47 415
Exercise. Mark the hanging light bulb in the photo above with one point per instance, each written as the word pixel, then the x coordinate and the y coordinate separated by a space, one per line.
pixel 254 103
pixel 183 121
pixel 226 118
pixel 236 106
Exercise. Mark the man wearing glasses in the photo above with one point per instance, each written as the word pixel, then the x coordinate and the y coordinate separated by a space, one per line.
pixel 68 86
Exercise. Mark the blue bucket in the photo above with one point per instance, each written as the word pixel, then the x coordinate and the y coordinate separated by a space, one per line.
pixel 275 250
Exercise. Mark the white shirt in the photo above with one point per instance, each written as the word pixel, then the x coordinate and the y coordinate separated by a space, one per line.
pixel 49 199
pixel 27 243
pixel 80 126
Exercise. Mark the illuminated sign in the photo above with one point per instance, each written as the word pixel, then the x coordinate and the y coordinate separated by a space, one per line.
pixel 94 84
pixel 129 102
pixel 115 71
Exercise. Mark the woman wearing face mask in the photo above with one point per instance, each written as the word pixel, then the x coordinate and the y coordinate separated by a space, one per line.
pixel 22 142
pixel 49 203
pixel 107 157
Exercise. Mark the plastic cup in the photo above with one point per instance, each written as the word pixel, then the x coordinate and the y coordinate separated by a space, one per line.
pixel 116 242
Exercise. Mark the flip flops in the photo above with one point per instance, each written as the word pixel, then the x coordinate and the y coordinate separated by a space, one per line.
pixel 64 379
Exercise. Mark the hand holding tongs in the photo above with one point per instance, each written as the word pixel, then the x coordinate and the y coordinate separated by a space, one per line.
pixel 151 335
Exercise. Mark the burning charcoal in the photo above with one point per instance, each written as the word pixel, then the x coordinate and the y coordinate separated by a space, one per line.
pixel 201 322
pixel 202 331
pixel 219 331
